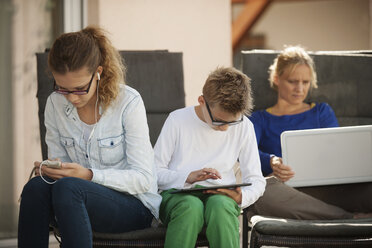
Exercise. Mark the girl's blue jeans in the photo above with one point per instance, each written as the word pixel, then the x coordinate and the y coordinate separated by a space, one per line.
pixel 78 207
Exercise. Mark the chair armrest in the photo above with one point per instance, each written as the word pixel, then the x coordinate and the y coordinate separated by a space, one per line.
pixel 319 228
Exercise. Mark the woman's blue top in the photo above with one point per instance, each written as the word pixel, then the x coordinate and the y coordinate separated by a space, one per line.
pixel 269 127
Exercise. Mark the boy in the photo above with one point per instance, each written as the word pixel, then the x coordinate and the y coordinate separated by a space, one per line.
pixel 199 145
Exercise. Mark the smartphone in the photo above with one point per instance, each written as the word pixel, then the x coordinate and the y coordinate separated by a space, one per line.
pixel 52 164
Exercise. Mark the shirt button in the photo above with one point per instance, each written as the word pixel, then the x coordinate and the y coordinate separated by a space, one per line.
pixel 86 155
pixel 112 143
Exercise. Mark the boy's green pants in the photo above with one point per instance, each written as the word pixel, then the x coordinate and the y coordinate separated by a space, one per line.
pixel 186 214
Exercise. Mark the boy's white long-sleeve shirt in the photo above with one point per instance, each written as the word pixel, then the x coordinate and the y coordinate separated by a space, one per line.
pixel 186 144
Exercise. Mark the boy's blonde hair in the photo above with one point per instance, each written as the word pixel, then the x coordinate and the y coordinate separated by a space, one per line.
pixel 229 89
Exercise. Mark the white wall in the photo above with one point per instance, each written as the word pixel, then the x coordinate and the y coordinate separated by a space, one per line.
pixel 199 29
pixel 317 25
pixel 30 32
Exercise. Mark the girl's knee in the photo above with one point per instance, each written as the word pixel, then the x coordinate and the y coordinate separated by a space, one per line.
pixel 35 186
pixel 35 193
pixel 65 184
pixel 65 188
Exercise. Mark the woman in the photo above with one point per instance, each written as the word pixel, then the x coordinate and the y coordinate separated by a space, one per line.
pixel 292 75
pixel 96 126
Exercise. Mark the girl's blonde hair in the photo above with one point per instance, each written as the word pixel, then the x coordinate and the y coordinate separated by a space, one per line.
pixel 288 59
pixel 89 48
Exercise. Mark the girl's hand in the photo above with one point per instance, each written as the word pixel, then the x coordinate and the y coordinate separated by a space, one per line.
pixel 202 175
pixel 66 170
pixel 281 171
pixel 235 194
pixel 37 165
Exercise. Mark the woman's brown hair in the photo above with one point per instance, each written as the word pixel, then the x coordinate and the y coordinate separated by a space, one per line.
pixel 89 48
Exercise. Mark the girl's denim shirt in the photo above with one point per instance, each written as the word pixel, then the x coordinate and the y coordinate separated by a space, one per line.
pixel 119 152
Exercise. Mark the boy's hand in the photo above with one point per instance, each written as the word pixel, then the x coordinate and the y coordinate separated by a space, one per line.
pixel 202 175
pixel 235 194
pixel 281 171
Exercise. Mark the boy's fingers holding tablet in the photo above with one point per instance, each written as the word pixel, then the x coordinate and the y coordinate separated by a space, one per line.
pixel 235 194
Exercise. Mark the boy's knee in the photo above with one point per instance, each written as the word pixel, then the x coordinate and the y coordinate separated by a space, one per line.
pixel 190 208
pixel 220 205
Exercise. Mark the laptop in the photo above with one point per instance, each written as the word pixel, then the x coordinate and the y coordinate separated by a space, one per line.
pixel 328 156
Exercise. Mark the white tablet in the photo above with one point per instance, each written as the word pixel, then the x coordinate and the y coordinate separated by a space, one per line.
pixel 328 156
pixel 203 188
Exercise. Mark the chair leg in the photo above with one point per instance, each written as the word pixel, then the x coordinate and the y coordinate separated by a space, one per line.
pixel 254 240
pixel 245 231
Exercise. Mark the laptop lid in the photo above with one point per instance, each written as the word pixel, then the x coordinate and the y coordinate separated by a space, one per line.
pixel 328 156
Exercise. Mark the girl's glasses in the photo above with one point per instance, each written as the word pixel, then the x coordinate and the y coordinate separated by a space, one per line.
pixel 75 92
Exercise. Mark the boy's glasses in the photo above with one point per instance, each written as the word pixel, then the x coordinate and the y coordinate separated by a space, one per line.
pixel 75 92
pixel 221 123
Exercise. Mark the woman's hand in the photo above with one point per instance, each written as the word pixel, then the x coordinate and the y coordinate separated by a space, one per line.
pixel 235 194
pixel 66 170
pixel 202 175
pixel 281 171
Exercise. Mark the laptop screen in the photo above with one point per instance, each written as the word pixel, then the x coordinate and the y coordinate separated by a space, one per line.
pixel 328 156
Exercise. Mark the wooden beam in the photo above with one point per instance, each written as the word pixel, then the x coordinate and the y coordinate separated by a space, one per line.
pixel 247 17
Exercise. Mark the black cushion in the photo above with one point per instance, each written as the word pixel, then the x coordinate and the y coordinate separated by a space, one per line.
pixel 158 77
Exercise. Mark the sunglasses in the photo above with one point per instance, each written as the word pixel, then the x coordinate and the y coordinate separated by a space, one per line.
pixel 75 92
pixel 221 123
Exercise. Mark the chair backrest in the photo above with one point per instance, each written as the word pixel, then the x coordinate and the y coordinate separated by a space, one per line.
pixel 156 75
pixel 344 80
